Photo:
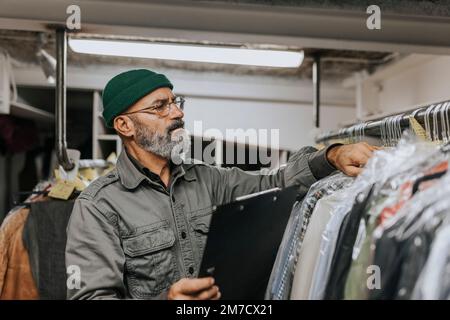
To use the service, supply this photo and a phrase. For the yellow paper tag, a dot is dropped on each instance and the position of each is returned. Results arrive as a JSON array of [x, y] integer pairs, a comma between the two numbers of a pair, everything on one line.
[[79, 184], [319, 146], [57, 175], [62, 190], [417, 128], [88, 173], [112, 158], [107, 170]]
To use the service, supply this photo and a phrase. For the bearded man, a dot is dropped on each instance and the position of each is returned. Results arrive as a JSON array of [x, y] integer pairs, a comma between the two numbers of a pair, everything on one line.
[[139, 232]]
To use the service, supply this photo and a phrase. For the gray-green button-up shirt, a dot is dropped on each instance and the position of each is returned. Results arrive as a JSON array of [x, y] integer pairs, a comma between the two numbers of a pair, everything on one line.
[[132, 238]]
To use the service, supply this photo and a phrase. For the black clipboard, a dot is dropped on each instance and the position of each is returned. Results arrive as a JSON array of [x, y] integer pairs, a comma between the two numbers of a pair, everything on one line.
[[243, 240]]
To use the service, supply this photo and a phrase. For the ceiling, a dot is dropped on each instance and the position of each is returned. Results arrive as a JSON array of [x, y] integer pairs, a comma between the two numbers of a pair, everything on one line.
[[333, 29], [336, 65], [434, 8]]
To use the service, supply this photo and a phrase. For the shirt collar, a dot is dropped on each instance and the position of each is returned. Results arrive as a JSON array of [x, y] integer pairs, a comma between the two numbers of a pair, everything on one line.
[[132, 172]]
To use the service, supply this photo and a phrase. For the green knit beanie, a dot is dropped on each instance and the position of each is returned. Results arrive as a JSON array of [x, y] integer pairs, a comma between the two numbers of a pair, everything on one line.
[[126, 88]]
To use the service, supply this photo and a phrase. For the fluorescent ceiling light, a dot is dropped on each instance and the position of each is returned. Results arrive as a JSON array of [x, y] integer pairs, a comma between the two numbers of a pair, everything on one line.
[[251, 57]]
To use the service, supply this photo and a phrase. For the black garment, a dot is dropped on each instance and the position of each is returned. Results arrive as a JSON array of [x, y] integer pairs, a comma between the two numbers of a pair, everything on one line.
[[342, 257], [402, 259], [44, 237], [423, 179], [416, 250]]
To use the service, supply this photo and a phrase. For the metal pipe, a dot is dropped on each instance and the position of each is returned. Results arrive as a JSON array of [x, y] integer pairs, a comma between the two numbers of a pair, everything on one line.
[[383, 60], [316, 83], [60, 103]]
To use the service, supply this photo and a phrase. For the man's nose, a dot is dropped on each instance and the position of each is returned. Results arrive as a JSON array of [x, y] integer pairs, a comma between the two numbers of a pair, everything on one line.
[[176, 112]]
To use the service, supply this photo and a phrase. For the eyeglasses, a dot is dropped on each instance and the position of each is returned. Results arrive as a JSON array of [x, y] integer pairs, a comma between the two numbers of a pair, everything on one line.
[[162, 108]]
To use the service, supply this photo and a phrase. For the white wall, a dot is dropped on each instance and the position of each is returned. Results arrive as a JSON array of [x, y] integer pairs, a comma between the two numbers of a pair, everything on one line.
[[294, 121], [421, 84], [414, 81], [230, 101]]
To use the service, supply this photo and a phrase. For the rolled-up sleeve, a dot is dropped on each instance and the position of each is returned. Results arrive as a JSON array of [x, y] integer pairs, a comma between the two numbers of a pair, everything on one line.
[[93, 248], [319, 164], [302, 169]]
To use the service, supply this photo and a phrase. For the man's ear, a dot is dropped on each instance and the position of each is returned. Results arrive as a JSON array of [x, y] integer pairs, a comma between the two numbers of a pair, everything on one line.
[[124, 126]]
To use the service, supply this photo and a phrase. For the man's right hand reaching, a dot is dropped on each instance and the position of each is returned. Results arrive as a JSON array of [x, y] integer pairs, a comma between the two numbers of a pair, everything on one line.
[[194, 289]]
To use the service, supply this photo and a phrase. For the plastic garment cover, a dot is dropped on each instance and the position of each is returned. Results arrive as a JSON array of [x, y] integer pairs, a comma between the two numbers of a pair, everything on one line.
[[384, 165], [310, 248], [387, 205], [401, 245], [416, 246], [280, 282], [434, 280], [280, 265], [413, 209], [342, 257], [327, 246]]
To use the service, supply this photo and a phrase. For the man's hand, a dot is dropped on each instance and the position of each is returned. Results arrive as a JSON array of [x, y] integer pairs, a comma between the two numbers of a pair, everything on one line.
[[351, 158], [194, 289]]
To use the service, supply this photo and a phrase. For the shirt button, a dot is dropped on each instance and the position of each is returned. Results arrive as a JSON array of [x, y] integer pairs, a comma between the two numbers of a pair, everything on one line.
[[402, 292], [191, 270], [183, 235], [417, 241]]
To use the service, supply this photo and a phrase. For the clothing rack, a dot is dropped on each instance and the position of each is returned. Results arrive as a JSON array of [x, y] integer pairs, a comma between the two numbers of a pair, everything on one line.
[[432, 117]]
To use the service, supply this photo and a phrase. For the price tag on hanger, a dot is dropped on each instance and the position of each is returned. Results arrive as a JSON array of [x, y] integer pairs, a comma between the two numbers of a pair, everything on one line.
[[112, 158], [319, 146], [89, 173], [80, 184], [107, 170], [417, 128], [62, 190]]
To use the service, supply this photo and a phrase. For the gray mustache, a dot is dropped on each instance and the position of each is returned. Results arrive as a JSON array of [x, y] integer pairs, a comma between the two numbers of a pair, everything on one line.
[[175, 125]]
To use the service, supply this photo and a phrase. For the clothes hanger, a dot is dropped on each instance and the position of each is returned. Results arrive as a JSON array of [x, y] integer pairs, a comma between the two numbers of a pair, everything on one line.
[[443, 123], [427, 121], [445, 128], [383, 133], [436, 112]]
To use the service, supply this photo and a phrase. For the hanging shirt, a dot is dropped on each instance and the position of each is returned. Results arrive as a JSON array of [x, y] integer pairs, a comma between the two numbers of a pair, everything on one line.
[[280, 285], [434, 280], [311, 246], [45, 237], [344, 247], [16, 278]]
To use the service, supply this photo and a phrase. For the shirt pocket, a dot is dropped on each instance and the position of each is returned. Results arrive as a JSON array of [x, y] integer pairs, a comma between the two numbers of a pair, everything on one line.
[[150, 262], [200, 221]]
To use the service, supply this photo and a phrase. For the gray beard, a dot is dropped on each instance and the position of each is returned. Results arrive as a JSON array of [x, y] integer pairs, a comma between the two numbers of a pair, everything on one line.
[[169, 146]]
